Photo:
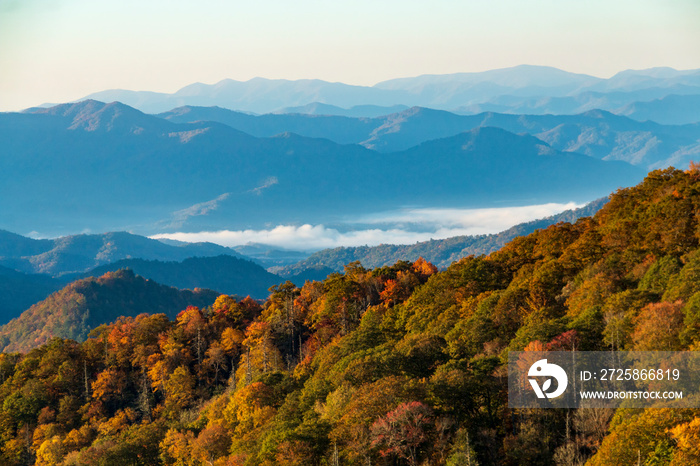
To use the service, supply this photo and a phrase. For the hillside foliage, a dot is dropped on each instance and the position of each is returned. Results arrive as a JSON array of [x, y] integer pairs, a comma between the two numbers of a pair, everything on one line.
[[400, 364]]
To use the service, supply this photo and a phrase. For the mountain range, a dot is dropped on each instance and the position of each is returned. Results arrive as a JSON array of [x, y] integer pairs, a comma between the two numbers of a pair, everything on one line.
[[596, 133], [76, 254], [110, 167], [671, 110], [520, 89]]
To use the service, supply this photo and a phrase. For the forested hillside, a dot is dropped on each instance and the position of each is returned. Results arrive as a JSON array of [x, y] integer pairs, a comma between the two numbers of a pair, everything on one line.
[[395, 365]]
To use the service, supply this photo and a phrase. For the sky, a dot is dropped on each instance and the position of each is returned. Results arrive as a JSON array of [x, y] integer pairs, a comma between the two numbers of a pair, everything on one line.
[[61, 50]]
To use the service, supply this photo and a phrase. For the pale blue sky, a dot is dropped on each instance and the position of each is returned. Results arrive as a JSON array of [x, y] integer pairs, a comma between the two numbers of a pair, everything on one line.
[[61, 50]]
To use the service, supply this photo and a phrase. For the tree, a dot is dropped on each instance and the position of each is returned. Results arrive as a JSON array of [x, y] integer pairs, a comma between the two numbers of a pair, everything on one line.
[[424, 269], [658, 326], [687, 437], [403, 431], [179, 389]]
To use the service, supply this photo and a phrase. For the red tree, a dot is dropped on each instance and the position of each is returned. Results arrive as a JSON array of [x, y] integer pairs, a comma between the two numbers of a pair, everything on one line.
[[402, 431]]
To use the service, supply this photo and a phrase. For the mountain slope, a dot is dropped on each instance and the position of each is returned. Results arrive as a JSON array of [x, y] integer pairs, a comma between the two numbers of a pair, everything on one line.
[[517, 80], [83, 305], [14, 245], [493, 162], [596, 133], [269, 256]]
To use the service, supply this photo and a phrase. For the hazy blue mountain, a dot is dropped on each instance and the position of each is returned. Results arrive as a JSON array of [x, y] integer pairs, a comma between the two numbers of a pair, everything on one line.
[[572, 104], [595, 133], [108, 167], [614, 102], [440, 252], [146, 101], [490, 162], [661, 77], [540, 89], [524, 80], [79, 253], [340, 129], [356, 111], [18, 291], [182, 265], [670, 110], [14, 245], [257, 95], [225, 274]]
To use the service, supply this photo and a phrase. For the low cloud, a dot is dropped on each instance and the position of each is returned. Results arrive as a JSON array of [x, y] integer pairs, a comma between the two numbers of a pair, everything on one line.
[[400, 227], [476, 221]]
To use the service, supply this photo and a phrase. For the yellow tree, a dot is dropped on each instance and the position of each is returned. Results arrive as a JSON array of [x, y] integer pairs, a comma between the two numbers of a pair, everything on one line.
[[687, 437], [179, 390], [658, 326]]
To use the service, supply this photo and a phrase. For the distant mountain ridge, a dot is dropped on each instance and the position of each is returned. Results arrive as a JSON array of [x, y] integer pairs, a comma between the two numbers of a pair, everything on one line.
[[207, 176], [596, 133], [508, 90], [670, 110], [356, 111], [80, 253]]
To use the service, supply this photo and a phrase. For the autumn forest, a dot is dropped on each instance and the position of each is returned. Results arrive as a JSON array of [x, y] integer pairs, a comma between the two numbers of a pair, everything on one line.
[[401, 364]]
